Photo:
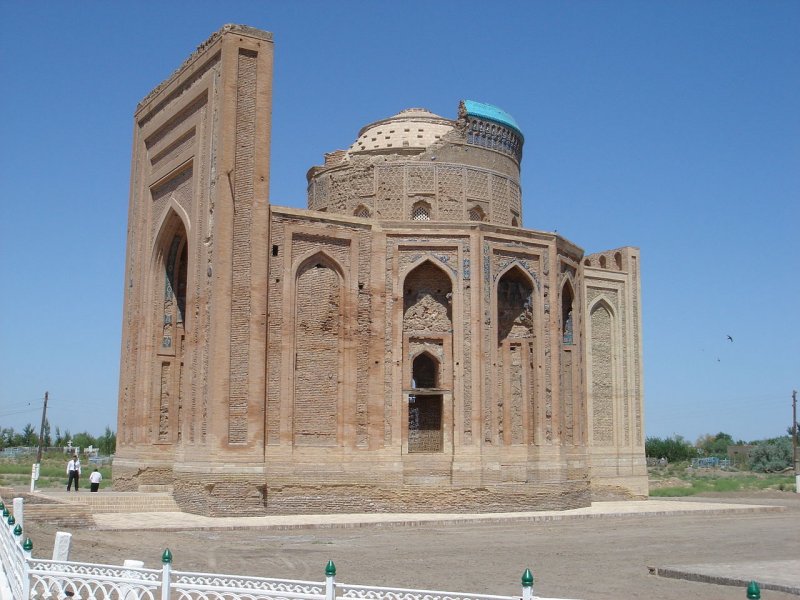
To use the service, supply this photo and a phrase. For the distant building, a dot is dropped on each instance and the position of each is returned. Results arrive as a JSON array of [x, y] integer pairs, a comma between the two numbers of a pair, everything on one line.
[[404, 344]]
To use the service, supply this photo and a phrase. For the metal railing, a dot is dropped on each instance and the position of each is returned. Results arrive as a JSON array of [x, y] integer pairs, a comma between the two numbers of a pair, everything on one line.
[[39, 579]]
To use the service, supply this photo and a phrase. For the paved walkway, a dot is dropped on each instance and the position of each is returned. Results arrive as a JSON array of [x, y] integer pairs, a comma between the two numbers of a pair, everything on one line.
[[178, 521], [778, 575]]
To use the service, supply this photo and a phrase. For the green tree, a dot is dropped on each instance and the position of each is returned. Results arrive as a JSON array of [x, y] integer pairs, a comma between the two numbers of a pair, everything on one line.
[[715, 445], [107, 443], [674, 449], [29, 437], [772, 455], [84, 439]]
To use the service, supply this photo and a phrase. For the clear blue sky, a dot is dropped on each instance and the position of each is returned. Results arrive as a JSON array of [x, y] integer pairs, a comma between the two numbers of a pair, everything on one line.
[[672, 126]]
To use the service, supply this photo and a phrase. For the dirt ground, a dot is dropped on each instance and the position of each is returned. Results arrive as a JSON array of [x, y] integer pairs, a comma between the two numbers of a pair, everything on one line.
[[592, 559]]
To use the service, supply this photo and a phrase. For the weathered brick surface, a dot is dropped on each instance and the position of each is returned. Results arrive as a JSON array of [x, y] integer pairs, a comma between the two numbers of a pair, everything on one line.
[[220, 495], [348, 499]]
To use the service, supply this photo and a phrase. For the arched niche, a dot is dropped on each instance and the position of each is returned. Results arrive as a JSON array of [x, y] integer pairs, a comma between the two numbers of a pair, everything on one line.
[[514, 305], [318, 331], [567, 313], [170, 275], [427, 295]]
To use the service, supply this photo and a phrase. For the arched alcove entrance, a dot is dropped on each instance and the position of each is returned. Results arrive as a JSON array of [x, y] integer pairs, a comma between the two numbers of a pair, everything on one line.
[[170, 287], [427, 337], [515, 358]]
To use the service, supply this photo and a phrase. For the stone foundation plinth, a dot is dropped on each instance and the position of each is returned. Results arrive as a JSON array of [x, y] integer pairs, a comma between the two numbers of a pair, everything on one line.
[[426, 499]]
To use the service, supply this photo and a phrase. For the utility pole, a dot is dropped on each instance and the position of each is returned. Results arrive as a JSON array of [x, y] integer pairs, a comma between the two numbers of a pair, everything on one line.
[[794, 443], [35, 469]]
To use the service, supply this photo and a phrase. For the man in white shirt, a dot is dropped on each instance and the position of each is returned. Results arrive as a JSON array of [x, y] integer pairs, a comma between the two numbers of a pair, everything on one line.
[[94, 480], [73, 472]]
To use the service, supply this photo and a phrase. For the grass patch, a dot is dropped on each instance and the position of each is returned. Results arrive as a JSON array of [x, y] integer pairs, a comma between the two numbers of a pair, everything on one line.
[[673, 492], [52, 471], [698, 482]]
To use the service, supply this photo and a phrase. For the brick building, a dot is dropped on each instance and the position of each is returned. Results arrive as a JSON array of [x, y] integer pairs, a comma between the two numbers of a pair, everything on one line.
[[404, 344]]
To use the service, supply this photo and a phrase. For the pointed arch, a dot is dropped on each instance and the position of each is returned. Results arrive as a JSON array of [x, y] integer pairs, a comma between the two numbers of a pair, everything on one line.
[[435, 261], [602, 347], [603, 300], [567, 311], [427, 297], [514, 293], [319, 284], [319, 258], [166, 220], [169, 268], [514, 355]]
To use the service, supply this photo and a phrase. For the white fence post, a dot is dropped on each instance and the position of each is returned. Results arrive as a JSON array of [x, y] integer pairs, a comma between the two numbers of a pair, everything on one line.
[[330, 581], [129, 593], [166, 569], [61, 546], [527, 585], [27, 548], [19, 511], [34, 476]]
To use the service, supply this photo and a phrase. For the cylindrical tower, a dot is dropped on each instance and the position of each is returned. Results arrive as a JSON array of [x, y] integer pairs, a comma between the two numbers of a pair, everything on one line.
[[418, 166]]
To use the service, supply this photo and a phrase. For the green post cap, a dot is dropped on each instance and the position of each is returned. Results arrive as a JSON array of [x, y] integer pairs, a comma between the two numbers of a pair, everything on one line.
[[5, 512], [330, 569], [753, 591], [11, 520], [166, 558], [18, 530], [527, 578], [27, 545], [2, 505]]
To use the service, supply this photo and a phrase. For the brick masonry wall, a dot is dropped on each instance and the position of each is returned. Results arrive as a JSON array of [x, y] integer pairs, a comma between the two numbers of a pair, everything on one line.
[[242, 220], [317, 356], [602, 375], [393, 184], [410, 498], [219, 495]]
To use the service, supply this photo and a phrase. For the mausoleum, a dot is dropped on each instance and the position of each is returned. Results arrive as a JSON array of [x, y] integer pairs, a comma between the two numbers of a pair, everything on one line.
[[403, 344]]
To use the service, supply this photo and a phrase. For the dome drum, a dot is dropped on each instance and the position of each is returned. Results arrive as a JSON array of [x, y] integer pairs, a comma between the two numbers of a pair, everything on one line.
[[459, 165]]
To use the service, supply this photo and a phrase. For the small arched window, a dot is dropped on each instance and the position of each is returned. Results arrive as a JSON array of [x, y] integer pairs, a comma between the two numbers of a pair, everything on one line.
[[514, 222], [421, 212], [425, 371], [566, 315], [362, 212], [476, 214]]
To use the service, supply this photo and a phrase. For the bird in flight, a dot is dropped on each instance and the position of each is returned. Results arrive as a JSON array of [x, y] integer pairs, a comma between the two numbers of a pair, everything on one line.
[[730, 338]]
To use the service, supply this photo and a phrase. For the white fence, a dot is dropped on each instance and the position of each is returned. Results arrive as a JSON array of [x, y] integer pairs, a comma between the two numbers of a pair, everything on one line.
[[37, 579]]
